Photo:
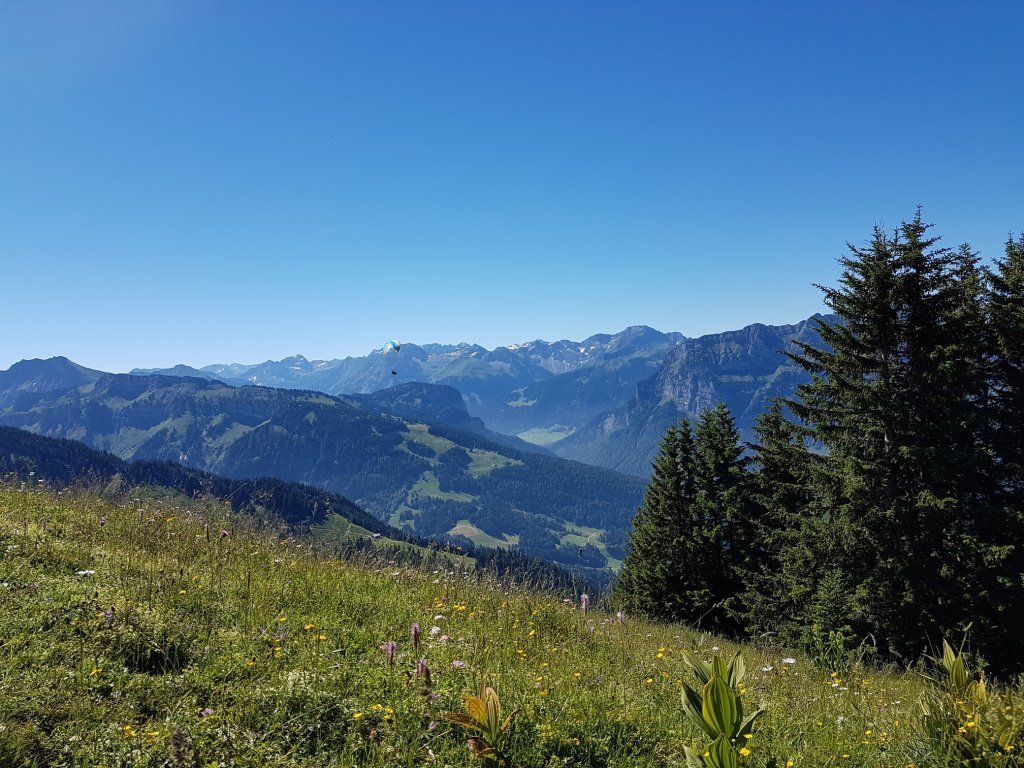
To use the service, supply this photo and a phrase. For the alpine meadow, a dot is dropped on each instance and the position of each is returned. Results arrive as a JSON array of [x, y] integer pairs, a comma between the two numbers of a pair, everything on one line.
[[546, 384]]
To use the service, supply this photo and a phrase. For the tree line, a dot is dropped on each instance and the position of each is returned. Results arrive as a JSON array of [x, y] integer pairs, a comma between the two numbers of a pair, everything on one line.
[[882, 502]]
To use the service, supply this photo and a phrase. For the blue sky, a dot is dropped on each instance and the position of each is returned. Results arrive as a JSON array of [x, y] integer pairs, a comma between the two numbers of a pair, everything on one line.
[[200, 182]]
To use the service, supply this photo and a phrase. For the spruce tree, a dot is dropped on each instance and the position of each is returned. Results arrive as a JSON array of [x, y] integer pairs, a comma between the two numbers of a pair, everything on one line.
[[720, 539], [649, 582], [692, 532], [1006, 300], [776, 575], [897, 400]]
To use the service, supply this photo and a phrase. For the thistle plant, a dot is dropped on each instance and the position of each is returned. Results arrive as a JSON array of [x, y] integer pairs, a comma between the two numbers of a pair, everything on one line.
[[483, 718], [718, 710], [965, 721]]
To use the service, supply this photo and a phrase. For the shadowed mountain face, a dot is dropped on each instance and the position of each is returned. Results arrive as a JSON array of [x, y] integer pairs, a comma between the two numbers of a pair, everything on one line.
[[745, 369], [440, 475]]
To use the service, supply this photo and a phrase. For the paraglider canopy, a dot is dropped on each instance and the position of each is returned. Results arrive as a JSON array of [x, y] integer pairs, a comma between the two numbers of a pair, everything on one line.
[[394, 345]]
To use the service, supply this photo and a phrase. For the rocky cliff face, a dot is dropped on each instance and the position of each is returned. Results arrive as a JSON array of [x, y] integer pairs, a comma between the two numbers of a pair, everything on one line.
[[745, 369]]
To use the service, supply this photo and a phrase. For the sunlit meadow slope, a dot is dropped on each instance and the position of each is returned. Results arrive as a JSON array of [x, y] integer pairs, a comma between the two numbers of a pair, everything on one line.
[[133, 633]]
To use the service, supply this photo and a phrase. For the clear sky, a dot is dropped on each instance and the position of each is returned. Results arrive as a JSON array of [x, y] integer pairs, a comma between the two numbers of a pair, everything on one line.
[[200, 181]]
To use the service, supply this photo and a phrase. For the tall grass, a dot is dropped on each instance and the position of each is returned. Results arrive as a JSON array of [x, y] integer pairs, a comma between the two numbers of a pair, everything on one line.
[[146, 633]]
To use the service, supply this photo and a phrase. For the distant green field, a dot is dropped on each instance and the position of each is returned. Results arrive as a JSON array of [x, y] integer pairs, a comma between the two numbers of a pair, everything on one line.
[[477, 536], [338, 528], [546, 435], [522, 402], [427, 487], [579, 536], [485, 462]]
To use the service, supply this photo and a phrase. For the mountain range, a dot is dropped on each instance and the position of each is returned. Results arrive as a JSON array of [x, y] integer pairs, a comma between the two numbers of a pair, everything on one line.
[[606, 400]]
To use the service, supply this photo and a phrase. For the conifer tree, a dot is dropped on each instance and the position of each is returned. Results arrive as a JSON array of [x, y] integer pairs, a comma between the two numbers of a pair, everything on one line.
[[897, 399], [776, 576], [720, 537], [1006, 299], [650, 582], [692, 532]]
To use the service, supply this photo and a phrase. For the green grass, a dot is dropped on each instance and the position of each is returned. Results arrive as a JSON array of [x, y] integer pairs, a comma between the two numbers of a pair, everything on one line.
[[134, 631]]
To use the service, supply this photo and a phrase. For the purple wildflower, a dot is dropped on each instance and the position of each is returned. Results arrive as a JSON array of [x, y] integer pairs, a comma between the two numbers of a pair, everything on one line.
[[224, 533], [458, 664], [435, 631], [206, 712], [424, 671], [415, 635], [389, 648], [585, 602]]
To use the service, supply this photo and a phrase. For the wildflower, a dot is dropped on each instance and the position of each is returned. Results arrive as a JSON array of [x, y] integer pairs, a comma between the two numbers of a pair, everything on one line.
[[309, 627], [206, 712], [443, 639], [103, 521], [649, 680], [744, 751], [415, 635], [84, 573], [320, 637], [458, 664], [435, 631], [356, 715], [789, 660], [389, 649], [128, 731], [620, 617], [224, 533], [422, 670], [585, 602]]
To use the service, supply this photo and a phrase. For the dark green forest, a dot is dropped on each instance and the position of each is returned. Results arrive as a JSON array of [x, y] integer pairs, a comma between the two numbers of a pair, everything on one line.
[[882, 505]]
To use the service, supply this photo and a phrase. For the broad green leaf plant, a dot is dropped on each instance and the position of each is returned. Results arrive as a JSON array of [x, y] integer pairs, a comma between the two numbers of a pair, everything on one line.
[[718, 710], [483, 718]]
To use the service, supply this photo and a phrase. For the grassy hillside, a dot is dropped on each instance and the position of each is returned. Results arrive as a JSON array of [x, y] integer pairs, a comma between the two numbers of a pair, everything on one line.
[[135, 633]]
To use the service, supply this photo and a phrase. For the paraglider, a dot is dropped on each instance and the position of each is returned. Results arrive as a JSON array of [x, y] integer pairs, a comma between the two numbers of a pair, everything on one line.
[[392, 347]]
